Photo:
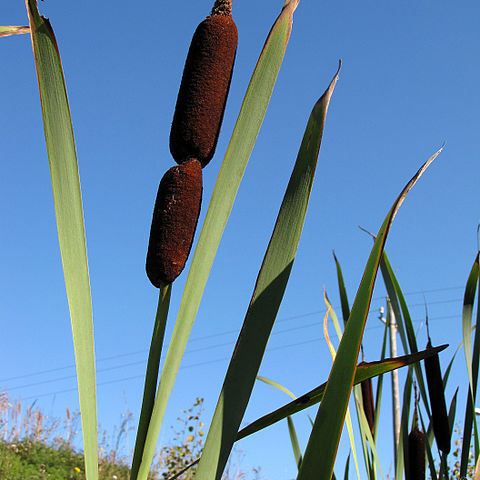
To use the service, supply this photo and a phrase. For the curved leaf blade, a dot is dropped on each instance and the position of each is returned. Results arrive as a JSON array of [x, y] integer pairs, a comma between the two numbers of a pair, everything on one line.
[[332, 410], [266, 299], [67, 198], [471, 361], [363, 372]]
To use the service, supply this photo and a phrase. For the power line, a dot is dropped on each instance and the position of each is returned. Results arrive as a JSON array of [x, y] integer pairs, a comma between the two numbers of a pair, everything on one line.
[[193, 365], [189, 352], [229, 332], [206, 337]]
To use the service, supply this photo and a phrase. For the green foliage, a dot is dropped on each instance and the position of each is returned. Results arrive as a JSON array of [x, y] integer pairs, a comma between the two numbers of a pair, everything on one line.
[[37, 461], [34, 446], [187, 443]]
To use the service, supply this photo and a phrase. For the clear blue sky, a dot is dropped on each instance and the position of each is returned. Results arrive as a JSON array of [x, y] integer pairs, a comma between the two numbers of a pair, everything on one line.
[[409, 82]]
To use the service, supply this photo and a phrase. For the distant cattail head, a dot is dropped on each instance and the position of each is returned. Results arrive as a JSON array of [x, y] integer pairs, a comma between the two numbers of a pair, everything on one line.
[[204, 88], [441, 428], [175, 217], [416, 455], [368, 403]]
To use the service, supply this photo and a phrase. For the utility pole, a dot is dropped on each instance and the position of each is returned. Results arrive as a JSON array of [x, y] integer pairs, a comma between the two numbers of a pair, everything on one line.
[[392, 329]]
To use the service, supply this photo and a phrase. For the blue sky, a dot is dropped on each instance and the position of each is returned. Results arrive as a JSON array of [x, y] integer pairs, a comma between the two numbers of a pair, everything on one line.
[[409, 82]]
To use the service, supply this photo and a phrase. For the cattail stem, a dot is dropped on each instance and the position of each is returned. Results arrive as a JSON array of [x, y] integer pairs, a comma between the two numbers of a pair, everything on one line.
[[222, 7], [151, 377]]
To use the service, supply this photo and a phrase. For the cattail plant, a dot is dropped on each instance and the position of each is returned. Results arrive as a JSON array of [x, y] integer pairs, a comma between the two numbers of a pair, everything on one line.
[[175, 217], [204, 88], [193, 138]]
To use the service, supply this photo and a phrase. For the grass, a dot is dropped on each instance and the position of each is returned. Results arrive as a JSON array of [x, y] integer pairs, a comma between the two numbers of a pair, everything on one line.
[[34, 446], [35, 460]]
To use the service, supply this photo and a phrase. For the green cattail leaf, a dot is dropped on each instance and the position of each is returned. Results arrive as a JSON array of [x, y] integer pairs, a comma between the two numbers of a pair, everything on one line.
[[351, 437], [277, 386], [471, 360], [67, 197], [236, 158], [342, 291], [266, 299], [333, 316], [452, 411], [364, 371], [7, 30], [467, 314], [451, 420], [402, 451], [291, 428], [378, 394], [332, 410], [404, 322], [294, 440]]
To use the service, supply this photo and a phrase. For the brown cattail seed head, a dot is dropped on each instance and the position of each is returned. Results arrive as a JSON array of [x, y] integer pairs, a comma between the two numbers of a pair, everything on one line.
[[204, 88], [368, 406], [175, 217], [441, 428], [416, 455]]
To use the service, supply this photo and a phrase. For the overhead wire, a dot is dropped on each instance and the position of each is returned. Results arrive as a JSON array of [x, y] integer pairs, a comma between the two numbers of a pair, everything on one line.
[[228, 332], [192, 365]]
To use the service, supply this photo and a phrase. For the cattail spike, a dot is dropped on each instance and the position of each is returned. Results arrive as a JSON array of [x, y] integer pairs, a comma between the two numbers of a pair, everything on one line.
[[368, 404], [367, 395], [204, 88], [222, 7], [416, 455], [175, 218]]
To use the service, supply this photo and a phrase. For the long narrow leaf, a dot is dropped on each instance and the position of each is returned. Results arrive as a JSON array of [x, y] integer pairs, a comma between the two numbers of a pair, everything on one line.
[[378, 394], [331, 413], [266, 299], [404, 322], [472, 361], [364, 371], [239, 149], [297, 452], [348, 421], [272, 383], [402, 451], [467, 314], [342, 291], [69, 213]]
